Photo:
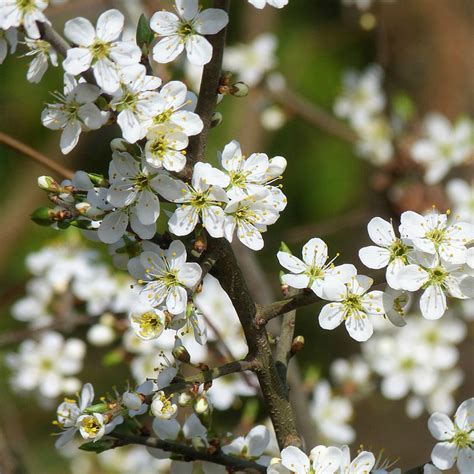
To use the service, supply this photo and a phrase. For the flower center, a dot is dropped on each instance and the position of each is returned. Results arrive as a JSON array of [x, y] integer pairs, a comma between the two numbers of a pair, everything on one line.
[[437, 275], [128, 101], [407, 364], [437, 236], [25, 5], [170, 278], [399, 303], [141, 181], [461, 439], [91, 425], [99, 50], [149, 323], [352, 304], [159, 146], [238, 178], [398, 250], [163, 117], [186, 29], [199, 200]]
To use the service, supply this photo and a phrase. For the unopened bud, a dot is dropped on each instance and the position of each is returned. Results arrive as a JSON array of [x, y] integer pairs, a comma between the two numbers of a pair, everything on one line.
[[185, 399], [297, 344], [97, 179], [132, 400], [200, 244], [47, 184], [201, 406], [82, 207], [216, 119], [199, 443], [180, 353], [42, 216], [239, 89]]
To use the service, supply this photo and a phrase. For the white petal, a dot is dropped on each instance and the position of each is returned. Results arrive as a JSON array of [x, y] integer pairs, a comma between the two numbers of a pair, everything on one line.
[[167, 49], [290, 262], [465, 461], [110, 25], [296, 281], [315, 252], [131, 128], [433, 302], [199, 50], [374, 257], [184, 220], [444, 455], [70, 136], [77, 60], [464, 416], [79, 31], [106, 75], [113, 227], [176, 300], [190, 274], [440, 426], [331, 316], [125, 53], [211, 21], [381, 232], [411, 277], [359, 326], [295, 460]]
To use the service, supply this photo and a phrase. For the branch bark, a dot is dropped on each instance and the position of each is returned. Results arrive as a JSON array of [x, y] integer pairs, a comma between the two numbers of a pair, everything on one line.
[[189, 453], [35, 155]]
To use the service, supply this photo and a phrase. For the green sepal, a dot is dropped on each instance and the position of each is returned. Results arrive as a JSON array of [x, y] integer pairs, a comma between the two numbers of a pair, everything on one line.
[[97, 408], [98, 446], [285, 248], [144, 33], [41, 216]]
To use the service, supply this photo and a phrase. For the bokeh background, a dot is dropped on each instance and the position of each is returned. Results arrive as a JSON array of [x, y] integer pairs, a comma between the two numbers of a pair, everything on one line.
[[425, 47]]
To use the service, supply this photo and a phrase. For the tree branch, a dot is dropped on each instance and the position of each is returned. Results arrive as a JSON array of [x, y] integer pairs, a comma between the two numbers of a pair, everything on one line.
[[312, 114], [207, 98], [26, 150], [274, 391], [207, 376], [268, 312], [189, 453]]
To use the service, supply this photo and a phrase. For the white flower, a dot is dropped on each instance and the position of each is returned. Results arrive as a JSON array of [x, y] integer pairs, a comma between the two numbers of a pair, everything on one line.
[[456, 440], [186, 30], [75, 112], [249, 215], [322, 460], [315, 271], [273, 3], [174, 111], [166, 276], [100, 48], [432, 234], [8, 39], [437, 279], [134, 400], [26, 13], [443, 146], [163, 407], [396, 304], [131, 183], [362, 96], [461, 195], [363, 463], [148, 324], [42, 53], [354, 307], [226, 390], [375, 140], [390, 252], [165, 149], [251, 446], [251, 61], [202, 200], [47, 365], [137, 102], [353, 376], [170, 429], [273, 118], [331, 415], [69, 411]]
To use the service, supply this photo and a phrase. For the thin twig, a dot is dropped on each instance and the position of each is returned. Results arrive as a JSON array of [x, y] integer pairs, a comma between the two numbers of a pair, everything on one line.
[[26, 150], [312, 114], [189, 453]]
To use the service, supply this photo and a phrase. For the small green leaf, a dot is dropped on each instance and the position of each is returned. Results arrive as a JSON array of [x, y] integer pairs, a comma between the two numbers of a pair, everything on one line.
[[97, 408], [113, 358], [285, 248], [144, 34], [98, 447], [41, 216]]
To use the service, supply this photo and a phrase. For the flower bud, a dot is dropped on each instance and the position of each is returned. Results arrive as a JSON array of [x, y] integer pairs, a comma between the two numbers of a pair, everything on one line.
[[297, 344], [239, 89], [47, 183], [42, 216], [185, 399], [100, 335], [181, 353], [82, 207], [201, 406], [132, 400], [216, 119]]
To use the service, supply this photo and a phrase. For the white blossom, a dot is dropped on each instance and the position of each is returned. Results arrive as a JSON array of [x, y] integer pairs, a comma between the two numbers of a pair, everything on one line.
[[354, 306], [461, 195], [314, 271], [251, 446], [251, 61], [100, 49], [43, 54], [8, 40], [14, 13], [362, 463], [273, 3], [75, 112], [456, 440], [166, 276], [185, 30], [443, 146]]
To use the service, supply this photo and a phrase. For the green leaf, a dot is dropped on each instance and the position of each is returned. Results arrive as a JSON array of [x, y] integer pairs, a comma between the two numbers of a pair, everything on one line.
[[144, 34], [98, 447], [113, 358], [403, 106], [41, 216]]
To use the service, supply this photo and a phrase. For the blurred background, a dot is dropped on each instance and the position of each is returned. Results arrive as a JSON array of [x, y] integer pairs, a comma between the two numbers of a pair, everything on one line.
[[425, 48]]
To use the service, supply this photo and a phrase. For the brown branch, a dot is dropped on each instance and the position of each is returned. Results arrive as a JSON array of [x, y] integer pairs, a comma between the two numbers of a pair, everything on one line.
[[207, 98], [270, 311], [189, 453], [274, 391], [283, 350], [26, 150], [207, 376], [312, 114]]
